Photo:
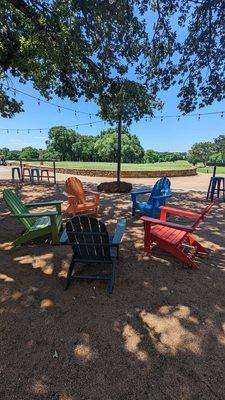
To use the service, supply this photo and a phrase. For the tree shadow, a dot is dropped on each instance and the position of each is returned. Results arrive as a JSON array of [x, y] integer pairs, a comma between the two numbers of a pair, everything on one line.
[[161, 335]]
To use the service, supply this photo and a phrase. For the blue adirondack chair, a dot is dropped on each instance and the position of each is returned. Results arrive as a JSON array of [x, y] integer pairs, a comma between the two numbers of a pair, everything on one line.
[[158, 195]]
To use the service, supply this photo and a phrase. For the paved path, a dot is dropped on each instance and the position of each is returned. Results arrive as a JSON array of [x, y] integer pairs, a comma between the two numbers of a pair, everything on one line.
[[198, 182]]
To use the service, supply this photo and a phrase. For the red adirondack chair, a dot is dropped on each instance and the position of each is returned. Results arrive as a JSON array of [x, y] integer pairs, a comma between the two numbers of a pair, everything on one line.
[[174, 238]]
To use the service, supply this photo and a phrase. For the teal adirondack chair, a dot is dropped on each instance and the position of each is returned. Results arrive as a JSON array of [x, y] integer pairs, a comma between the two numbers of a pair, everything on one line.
[[37, 224]]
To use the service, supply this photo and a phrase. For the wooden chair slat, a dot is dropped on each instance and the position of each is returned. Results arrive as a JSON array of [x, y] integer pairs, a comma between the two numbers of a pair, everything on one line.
[[90, 241], [35, 227]]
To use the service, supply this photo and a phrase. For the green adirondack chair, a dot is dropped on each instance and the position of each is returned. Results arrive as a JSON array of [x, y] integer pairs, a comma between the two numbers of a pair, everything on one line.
[[37, 224]]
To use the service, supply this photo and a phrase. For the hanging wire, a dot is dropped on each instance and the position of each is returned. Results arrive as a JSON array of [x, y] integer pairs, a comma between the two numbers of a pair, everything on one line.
[[17, 130], [14, 90]]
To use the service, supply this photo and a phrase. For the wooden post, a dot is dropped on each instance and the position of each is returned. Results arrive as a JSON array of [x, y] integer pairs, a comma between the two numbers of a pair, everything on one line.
[[40, 151], [119, 150], [21, 169], [54, 172]]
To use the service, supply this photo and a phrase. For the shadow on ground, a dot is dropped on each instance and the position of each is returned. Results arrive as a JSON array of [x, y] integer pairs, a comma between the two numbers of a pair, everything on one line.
[[161, 335]]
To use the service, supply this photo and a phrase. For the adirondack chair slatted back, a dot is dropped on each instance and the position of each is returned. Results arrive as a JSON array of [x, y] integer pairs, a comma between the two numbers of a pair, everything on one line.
[[17, 207], [89, 238], [203, 215], [74, 187], [161, 187]]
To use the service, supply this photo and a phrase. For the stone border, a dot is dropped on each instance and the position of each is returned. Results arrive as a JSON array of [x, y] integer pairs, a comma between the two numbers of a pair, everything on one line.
[[128, 174], [124, 174]]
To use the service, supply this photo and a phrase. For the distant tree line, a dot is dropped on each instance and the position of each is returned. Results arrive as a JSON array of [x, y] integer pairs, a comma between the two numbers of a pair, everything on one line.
[[68, 145]]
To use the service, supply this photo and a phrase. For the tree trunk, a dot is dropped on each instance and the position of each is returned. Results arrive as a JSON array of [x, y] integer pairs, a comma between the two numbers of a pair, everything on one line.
[[119, 150]]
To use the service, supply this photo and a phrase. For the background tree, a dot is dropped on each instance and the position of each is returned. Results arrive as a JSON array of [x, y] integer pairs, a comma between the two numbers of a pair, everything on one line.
[[61, 141], [84, 148], [29, 153], [200, 152], [14, 155], [104, 42], [106, 146], [101, 40], [151, 156], [220, 146]]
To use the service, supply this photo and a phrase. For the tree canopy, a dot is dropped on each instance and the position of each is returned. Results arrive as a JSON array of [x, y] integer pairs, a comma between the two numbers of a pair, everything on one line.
[[105, 43], [68, 145], [201, 152]]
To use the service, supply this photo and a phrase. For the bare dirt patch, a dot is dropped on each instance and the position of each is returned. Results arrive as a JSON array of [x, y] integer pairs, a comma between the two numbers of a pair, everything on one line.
[[160, 335]]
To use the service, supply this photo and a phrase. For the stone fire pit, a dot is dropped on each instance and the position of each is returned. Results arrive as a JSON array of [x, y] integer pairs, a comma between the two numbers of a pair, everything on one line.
[[113, 187]]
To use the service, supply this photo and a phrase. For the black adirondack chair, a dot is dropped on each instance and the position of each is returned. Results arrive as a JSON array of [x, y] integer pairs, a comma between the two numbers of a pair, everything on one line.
[[91, 243]]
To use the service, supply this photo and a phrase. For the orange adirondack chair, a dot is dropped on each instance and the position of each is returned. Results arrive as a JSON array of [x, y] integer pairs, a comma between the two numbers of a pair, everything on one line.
[[174, 238], [80, 201]]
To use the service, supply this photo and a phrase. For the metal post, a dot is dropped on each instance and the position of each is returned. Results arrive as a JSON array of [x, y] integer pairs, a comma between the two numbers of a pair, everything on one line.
[[119, 150]]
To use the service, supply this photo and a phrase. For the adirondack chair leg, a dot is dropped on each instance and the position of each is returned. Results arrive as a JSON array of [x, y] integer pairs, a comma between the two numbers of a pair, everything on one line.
[[69, 274], [133, 211], [117, 253], [147, 238], [54, 230], [193, 242], [112, 281], [27, 236], [59, 208]]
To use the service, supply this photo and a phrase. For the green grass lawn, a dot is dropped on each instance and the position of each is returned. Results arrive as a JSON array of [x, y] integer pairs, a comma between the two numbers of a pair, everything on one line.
[[209, 170], [182, 164], [125, 167]]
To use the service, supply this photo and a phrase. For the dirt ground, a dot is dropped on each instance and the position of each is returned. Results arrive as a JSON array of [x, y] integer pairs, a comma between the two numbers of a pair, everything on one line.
[[159, 336]]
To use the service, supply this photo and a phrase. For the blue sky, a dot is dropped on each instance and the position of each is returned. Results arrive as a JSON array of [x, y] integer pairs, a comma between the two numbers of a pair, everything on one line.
[[169, 135]]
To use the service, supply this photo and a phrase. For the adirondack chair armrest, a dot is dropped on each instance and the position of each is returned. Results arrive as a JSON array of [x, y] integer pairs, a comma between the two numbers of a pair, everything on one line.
[[44, 203], [164, 196], [178, 211], [35, 215], [135, 194], [119, 231], [93, 195], [154, 221], [89, 193], [71, 198]]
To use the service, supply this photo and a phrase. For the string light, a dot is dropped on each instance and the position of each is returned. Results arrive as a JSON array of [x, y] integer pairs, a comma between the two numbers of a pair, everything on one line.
[[15, 91], [221, 113], [60, 107]]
